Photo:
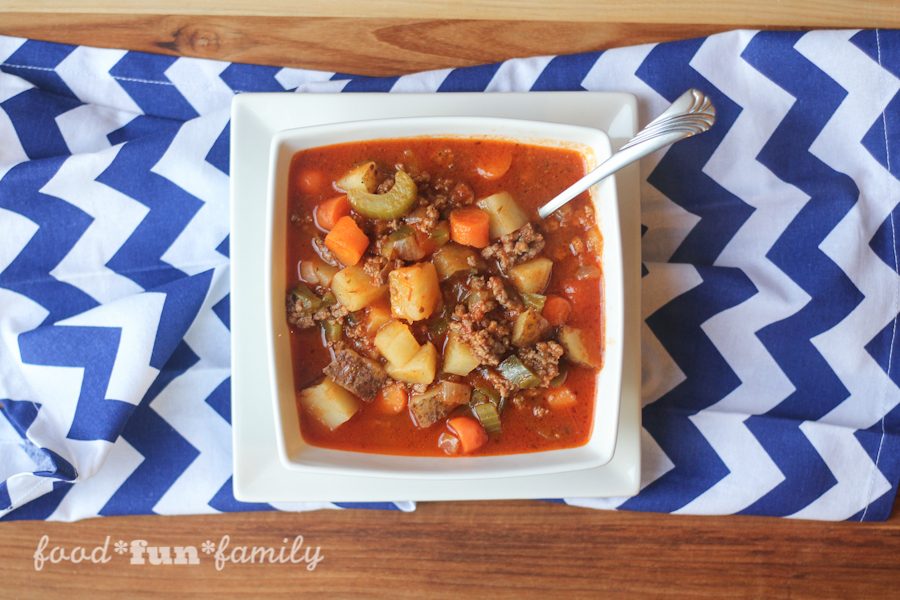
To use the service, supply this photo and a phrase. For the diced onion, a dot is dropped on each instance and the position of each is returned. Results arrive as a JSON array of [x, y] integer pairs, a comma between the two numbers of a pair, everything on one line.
[[316, 272], [449, 443], [587, 272]]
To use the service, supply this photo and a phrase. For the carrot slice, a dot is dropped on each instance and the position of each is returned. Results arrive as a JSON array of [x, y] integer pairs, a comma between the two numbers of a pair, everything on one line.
[[470, 226], [328, 212], [495, 165], [391, 400], [347, 241], [471, 434], [311, 181], [557, 310]]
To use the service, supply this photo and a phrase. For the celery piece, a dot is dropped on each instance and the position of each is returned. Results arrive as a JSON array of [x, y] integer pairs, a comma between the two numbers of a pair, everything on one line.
[[534, 301], [515, 371], [391, 205], [333, 330], [440, 235], [306, 297], [488, 416]]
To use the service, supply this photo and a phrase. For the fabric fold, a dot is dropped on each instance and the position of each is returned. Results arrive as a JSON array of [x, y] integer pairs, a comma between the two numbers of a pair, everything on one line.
[[771, 287]]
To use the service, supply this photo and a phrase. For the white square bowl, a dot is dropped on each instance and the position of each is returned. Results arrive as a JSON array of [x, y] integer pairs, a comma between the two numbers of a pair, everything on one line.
[[294, 452]]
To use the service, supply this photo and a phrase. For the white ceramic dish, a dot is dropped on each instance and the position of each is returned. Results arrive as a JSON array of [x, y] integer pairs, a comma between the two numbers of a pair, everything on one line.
[[295, 452], [259, 473]]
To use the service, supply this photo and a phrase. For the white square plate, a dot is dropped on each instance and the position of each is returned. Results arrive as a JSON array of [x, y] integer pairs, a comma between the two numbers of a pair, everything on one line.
[[259, 473]]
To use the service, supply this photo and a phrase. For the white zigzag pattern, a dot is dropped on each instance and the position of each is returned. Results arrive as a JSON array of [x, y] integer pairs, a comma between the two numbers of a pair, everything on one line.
[[752, 473], [131, 374], [668, 224], [57, 388], [198, 81], [323, 87], [8, 47], [18, 455], [855, 487], [194, 251], [291, 79], [428, 81], [11, 150], [108, 107], [115, 217], [18, 313], [879, 191], [24, 488], [196, 420], [518, 74], [86, 127], [184, 164], [615, 71], [86, 72], [12, 85], [89, 497]]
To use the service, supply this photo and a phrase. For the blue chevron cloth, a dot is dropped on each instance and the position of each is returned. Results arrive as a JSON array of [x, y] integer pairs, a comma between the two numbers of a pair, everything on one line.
[[771, 287]]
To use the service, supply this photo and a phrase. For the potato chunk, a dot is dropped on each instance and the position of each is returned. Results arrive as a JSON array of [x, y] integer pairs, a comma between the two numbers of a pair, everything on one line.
[[420, 369], [360, 177], [415, 291], [532, 277], [459, 358], [453, 258], [529, 328], [396, 343], [576, 348], [377, 315], [354, 289], [505, 214], [329, 403]]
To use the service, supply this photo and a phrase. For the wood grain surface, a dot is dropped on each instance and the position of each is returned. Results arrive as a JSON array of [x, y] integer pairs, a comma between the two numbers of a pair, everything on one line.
[[484, 549], [363, 46], [495, 549], [819, 13]]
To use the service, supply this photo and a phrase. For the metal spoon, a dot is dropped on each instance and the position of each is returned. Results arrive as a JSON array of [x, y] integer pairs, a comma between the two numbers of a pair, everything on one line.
[[690, 114]]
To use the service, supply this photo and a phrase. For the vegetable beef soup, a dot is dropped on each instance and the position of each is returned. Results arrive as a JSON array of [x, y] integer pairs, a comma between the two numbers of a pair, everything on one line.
[[431, 312]]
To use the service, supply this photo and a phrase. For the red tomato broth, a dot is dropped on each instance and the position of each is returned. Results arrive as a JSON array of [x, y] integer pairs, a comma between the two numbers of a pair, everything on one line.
[[536, 174]]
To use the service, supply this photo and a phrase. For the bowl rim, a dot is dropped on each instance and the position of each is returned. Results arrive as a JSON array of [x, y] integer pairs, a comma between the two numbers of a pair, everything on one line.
[[384, 465]]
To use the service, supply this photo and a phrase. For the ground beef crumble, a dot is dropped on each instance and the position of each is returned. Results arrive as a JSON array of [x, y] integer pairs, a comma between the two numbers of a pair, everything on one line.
[[302, 318], [297, 315], [462, 194], [334, 312], [513, 248], [513, 304], [424, 219], [324, 253], [378, 267], [385, 186], [357, 335], [488, 334], [539, 411], [543, 360], [499, 383], [488, 338]]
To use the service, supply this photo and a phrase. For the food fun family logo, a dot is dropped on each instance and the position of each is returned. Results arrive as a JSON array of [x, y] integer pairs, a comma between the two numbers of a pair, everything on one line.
[[140, 552]]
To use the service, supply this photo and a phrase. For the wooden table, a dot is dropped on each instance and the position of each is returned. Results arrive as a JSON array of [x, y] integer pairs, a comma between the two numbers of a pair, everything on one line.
[[498, 549]]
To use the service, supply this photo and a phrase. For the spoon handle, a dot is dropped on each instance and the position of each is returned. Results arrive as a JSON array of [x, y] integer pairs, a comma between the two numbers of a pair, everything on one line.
[[690, 114]]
